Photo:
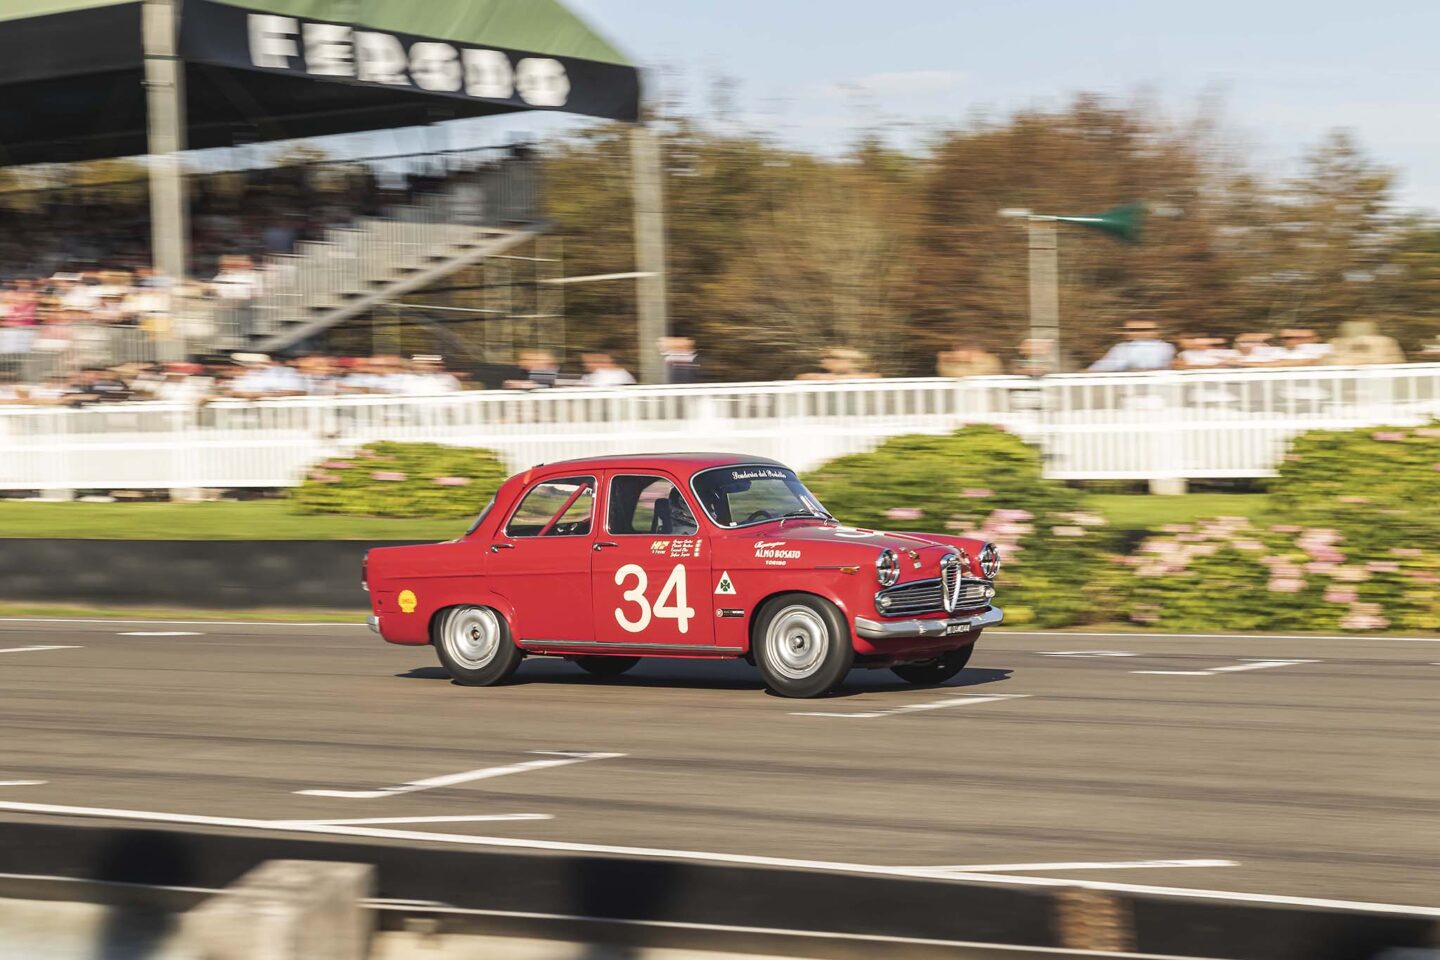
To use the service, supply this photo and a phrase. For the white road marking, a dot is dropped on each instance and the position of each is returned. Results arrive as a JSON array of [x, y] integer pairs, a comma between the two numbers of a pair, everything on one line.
[[160, 633], [913, 707], [381, 821], [188, 623], [149, 816], [1080, 865], [1251, 664], [561, 759], [1072, 634], [22, 783], [962, 947], [1086, 654], [37, 649], [1075, 635]]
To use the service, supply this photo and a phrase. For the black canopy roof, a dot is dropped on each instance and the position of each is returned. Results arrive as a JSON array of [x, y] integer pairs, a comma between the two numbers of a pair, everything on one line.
[[72, 71]]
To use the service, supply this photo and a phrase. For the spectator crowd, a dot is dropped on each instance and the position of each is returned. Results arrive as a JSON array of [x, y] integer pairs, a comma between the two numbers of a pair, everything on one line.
[[257, 376]]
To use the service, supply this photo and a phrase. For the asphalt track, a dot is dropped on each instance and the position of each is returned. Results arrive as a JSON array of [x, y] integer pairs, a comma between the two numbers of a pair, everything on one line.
[[1281, 767]]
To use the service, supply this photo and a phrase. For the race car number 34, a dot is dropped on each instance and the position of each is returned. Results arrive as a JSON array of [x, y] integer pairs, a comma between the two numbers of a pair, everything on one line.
[[669, 605]]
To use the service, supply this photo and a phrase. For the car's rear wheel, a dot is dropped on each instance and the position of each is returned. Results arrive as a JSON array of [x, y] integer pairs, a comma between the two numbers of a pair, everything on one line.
[[801, 645], [930, 673], [606, 666], [475, 647]]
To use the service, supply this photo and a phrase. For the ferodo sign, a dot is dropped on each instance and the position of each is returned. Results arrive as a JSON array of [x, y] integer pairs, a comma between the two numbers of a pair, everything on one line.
[[339, 50], [232, 36]]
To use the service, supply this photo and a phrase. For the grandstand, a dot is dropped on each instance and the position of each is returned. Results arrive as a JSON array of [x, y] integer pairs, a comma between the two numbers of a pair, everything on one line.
[[263, 259]]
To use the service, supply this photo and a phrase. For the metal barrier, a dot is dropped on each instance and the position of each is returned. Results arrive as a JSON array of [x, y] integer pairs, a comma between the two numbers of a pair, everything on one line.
[[1158, 426]]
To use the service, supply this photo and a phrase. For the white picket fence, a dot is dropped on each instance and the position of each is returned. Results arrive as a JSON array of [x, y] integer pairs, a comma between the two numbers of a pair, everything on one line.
[[1156, 426]]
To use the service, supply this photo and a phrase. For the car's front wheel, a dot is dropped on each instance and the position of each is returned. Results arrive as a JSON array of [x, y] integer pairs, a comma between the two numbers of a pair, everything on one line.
[[801, 645], [606, 666], [931, 673], [474, 646]]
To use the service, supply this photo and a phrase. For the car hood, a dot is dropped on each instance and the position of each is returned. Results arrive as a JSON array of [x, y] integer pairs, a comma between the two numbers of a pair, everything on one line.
[[814, 540]]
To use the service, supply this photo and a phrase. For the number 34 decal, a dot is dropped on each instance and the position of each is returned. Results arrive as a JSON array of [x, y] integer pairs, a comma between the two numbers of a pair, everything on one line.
[[670, 605]]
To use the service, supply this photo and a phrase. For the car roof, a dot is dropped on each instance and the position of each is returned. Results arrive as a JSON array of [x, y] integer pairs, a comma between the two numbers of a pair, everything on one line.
[[684, 462]]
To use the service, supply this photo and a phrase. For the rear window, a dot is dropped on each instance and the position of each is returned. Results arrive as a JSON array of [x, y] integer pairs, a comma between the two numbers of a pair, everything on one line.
[[555, 508]]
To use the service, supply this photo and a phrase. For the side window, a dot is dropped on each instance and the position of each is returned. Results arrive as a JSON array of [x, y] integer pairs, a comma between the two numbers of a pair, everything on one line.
[[649, 505], [555, 508]]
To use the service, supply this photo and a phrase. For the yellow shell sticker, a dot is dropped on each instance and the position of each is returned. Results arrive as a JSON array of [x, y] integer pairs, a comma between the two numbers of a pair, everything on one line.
[[407, 601]]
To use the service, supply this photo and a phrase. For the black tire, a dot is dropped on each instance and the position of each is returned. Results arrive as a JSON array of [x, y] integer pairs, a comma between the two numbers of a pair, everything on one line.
[[801, 645], [932, 673], [605, 666], [475, 647]]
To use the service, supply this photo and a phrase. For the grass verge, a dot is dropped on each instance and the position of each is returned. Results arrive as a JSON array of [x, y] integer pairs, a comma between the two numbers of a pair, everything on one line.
[[225, 520], [276, 520]]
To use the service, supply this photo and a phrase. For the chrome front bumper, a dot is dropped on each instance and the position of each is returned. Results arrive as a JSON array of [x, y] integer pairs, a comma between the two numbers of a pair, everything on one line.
[[373, 622], [950, 627]]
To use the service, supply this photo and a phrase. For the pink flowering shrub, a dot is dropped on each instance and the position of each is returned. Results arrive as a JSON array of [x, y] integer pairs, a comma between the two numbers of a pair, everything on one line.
[[983, 482], [1208, 575], [417, 480]]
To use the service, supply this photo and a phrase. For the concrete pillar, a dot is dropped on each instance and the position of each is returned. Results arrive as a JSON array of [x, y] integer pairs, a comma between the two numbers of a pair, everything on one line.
[[654, 321], [1169, 486], [287, 910], [165, 108]]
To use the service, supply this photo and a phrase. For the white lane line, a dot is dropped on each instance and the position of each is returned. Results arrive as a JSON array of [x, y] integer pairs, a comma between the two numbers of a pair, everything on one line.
[[160, 633], [913, 707], [149, 816], [22, 783], [1087, 654], [1127, 635], [37, 649], [960, 948], [1072, 634], [1250, 664], [560, 759], [1080, 865], [382, 821], [187, 623]]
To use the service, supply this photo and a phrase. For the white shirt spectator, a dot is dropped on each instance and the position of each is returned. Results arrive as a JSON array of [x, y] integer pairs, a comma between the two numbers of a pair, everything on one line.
[[1135, 355], [608, 377], [236, 283], [1309, 353], [1261, 354], [1207, 357]]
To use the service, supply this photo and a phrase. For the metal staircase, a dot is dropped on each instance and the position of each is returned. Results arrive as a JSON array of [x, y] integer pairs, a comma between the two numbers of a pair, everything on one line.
[[478, 214]]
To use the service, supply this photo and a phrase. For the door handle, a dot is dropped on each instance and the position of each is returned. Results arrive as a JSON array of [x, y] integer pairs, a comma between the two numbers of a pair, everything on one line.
[[602, 544], [497, 547]]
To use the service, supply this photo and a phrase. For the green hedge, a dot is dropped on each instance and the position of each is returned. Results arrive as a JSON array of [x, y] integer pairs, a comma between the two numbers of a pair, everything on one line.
[[402, 480], [1357, 545], [1379, 485], [985, 482]]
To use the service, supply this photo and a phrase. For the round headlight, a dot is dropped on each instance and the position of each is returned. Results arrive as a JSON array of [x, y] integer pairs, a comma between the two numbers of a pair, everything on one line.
[[887, 568], [989, 561]]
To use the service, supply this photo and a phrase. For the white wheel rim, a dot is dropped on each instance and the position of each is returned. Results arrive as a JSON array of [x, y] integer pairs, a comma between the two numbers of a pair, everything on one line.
[[472, 636], [796, 643]]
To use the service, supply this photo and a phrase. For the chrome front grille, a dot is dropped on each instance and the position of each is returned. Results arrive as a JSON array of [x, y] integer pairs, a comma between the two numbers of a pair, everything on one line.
[[908, 599], [928, 596], [950, 577]]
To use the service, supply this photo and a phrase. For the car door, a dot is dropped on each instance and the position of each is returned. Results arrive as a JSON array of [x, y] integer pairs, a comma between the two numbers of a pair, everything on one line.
[[651, 569], [541, 559]]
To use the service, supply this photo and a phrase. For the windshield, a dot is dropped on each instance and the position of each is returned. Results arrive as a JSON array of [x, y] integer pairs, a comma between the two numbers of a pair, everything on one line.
[[741, 495]]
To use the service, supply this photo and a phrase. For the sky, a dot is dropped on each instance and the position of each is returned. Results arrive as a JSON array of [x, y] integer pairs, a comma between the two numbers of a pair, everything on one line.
[[1284, 72]]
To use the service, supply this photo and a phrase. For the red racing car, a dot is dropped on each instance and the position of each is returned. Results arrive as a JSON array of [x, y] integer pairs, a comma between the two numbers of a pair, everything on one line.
[[607, 560]]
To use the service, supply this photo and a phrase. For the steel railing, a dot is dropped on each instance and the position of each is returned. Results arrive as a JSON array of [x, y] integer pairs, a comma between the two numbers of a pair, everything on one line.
[[1152, 426]]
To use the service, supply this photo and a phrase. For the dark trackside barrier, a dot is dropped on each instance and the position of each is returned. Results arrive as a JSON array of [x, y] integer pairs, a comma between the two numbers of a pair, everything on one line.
[[216, 574], [567, 890]]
